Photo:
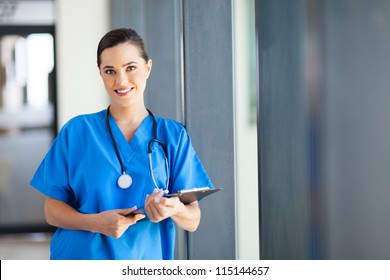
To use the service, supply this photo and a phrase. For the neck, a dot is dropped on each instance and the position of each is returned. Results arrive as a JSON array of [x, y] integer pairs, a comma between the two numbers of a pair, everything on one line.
[[128, 119], [130, 114]]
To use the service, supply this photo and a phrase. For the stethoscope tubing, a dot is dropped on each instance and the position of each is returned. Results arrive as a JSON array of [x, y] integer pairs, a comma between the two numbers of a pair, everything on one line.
[[151, 141], [114, 142]]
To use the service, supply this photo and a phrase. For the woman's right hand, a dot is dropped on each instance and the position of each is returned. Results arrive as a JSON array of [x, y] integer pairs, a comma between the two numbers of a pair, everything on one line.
[[115, 222], [111, 223]]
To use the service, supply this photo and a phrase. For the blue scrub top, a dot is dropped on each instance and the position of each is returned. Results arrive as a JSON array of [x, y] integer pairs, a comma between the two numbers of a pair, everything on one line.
[[81, 169]]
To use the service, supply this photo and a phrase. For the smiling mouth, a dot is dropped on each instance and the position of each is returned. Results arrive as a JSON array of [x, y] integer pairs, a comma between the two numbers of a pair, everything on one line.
[[123, 91]]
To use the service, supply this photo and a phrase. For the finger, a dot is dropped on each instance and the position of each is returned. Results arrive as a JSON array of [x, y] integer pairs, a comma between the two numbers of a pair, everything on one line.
[[154, 212], [139, 217], [158, 192], [150, 211], [153, 197], [158, 196], [127, 211], [168, 201]]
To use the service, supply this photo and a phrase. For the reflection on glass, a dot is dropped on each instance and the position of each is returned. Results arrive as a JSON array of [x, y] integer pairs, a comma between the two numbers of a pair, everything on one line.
[[26, 124], [25, 67], [39, 66]]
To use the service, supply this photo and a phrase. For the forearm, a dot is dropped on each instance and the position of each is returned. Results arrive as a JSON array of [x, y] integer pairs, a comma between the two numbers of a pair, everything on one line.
[[62, 215], [189, 217], [111, 223]]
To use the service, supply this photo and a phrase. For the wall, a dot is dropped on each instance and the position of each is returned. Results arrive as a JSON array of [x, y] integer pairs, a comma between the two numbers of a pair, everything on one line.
[[324, 133], [209, 115], [245, 130], [79, 27], [356, 134], [283, 120]]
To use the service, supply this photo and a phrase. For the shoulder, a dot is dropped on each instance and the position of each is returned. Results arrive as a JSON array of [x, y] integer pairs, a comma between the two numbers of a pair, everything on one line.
[[170, 124], [171, 131], [81, 126], [170, 128], [81, 122]]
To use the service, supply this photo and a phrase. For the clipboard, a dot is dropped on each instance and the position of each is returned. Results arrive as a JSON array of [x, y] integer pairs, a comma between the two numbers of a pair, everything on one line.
[[188, 196], [185, 196]]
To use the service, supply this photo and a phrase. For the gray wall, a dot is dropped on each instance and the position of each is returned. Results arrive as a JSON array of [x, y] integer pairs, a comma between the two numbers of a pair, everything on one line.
[[208, 61], [324, 135], [356, 132], [190, 42], [283, 131]]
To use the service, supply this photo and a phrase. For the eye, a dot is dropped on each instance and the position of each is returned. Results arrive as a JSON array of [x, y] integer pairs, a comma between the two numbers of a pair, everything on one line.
[[131, 68], [109, 71]]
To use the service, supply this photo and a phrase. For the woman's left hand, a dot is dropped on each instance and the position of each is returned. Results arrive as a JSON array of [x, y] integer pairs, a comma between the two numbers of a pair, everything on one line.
[[159, 208]]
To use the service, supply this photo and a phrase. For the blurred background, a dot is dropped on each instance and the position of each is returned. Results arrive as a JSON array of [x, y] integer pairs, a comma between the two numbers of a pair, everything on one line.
[[286, 102]]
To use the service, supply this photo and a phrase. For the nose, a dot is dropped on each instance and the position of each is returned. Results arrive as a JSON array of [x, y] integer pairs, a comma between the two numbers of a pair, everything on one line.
[[122, 79]]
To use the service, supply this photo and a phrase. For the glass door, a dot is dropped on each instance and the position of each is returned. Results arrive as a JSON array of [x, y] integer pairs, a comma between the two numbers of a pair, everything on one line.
[[27, 122]]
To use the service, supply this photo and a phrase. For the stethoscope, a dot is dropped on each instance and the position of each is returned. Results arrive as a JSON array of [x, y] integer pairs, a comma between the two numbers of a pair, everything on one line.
[[124, 180]]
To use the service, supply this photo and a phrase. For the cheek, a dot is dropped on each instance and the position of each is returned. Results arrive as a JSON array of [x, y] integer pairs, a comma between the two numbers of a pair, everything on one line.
[[140, 78], [107, 82]]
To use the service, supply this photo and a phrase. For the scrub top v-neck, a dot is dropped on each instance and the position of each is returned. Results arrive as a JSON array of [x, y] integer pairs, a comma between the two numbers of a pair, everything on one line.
[[128, 148], [81, 169]]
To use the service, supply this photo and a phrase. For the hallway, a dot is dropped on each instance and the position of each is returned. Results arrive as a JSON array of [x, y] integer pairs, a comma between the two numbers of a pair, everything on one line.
[[25, 246]]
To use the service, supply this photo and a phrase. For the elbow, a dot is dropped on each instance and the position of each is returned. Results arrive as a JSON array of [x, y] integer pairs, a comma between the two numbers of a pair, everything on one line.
[[193, 228], [48, 212], [48, 217], [189, 226], [195, 224], [189, 219]]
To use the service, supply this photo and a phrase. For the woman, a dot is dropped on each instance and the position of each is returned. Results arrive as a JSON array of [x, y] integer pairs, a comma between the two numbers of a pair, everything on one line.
[[97, 172]]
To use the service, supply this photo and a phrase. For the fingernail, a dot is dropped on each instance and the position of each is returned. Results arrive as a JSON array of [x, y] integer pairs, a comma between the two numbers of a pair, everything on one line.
[[157, 200]]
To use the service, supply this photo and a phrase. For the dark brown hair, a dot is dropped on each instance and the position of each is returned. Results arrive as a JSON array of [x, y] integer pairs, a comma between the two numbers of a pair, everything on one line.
[[120, 36]]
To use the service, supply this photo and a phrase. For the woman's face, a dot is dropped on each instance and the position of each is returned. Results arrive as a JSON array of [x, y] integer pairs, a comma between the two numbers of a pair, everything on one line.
[[124, 73]]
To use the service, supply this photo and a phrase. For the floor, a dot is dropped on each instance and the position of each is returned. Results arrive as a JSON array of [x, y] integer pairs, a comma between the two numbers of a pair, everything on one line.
[[34, 246]]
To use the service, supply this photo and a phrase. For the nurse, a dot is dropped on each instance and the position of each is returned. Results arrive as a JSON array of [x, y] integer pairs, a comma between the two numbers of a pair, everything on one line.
[[98, 171]]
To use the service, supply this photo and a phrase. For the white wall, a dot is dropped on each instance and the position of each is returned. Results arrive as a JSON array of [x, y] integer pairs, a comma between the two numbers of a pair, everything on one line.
[[246, 132], [79, 26]]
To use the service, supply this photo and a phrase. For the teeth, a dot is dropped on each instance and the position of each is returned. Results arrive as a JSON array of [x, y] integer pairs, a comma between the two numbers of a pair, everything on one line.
[[123, 91]]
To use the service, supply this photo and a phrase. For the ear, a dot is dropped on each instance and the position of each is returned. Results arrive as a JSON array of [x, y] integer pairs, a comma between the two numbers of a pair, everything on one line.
[[148, 67]]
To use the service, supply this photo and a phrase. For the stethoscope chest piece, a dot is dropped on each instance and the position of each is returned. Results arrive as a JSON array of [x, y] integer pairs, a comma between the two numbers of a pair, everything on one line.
[[124, 181]]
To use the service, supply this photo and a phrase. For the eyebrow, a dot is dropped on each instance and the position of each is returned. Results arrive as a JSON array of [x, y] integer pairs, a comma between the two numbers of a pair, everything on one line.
[[124, 65]]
